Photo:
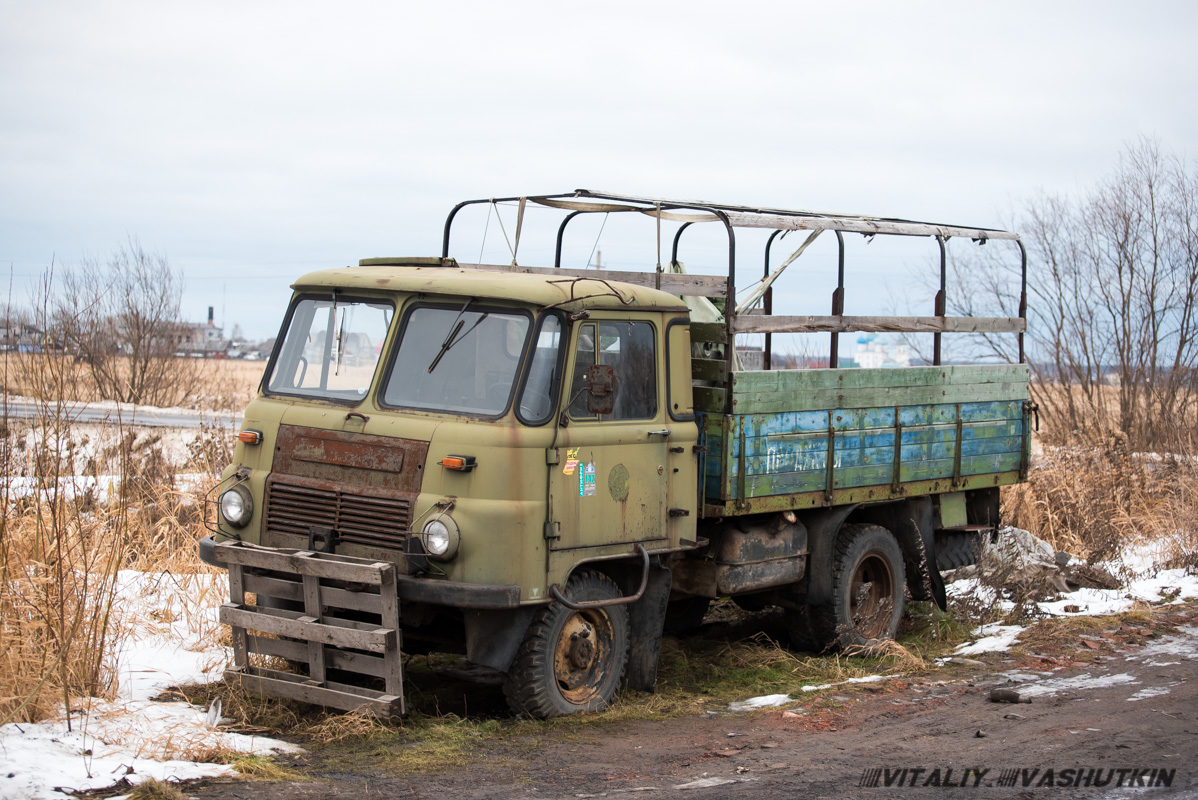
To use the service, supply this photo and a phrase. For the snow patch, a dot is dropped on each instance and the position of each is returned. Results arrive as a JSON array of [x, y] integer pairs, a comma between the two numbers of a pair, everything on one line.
[[1150, 691], [994, 638], [1075, 683], [167, 628], [765, 701], [866, 679]]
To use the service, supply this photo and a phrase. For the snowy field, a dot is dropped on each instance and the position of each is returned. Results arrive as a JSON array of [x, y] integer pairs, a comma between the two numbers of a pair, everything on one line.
[[166, 627]]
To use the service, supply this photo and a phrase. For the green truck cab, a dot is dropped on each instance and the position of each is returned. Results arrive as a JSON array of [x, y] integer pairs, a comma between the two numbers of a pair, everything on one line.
[[543, 468]]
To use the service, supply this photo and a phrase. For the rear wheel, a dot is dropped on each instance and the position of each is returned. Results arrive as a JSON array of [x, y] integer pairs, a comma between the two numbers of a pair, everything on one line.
[[957, 549], [571, 661], [867, 590]]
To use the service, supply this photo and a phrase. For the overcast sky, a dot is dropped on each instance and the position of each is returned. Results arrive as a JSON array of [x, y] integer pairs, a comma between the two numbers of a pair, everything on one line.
[[253, 141]]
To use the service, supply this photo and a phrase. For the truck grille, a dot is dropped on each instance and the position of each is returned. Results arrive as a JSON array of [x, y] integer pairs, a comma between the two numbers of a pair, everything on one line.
[[293, 508]]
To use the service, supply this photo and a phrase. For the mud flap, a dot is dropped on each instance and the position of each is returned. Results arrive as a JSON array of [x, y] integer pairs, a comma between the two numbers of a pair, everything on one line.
[[646, 619], [494, 636], [938, 591], [915, 529]]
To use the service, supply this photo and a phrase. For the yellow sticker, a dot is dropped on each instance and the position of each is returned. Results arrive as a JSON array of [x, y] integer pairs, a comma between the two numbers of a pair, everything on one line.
[[571, 461]]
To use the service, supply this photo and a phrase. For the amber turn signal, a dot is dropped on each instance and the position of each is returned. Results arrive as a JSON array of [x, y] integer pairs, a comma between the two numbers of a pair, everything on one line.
[[459, 463], [250, 437]]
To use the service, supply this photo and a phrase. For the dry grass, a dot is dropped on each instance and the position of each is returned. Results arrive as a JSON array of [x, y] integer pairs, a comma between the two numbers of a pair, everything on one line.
[[1061, 634], [154, 789], [77, 509], [227, 384], [1093, 501], [346, 727]]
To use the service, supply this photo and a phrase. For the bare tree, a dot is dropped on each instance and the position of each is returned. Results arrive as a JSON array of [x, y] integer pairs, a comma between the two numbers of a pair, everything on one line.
[[121, 318], [1113, 299]]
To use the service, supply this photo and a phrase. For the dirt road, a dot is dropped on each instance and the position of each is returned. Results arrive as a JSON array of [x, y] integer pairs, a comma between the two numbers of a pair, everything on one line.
[[1126, 722]]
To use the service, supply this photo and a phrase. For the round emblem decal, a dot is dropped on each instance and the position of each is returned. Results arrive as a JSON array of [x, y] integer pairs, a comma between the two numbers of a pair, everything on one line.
[[617, 483]]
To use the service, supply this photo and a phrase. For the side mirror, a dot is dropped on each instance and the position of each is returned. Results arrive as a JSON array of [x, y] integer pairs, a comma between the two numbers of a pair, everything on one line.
[[601, 389]]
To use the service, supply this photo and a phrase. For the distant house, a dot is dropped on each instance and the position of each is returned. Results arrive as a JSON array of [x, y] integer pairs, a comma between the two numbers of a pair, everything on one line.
[[198, 339], [23, 338]]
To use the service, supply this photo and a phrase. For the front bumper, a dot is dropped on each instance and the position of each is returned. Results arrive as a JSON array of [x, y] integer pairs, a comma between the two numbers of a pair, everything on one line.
[[410, 588]]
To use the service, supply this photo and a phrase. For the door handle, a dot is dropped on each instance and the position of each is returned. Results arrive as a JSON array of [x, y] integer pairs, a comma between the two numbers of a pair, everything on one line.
[[662, 432]]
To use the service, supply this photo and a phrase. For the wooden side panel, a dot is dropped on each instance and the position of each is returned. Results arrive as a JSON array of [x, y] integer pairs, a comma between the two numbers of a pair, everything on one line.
[[778, 391], [709, 398], [868, 441]]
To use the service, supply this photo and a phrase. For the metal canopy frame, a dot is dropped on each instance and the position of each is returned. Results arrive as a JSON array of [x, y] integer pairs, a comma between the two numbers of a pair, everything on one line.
[[780, 221]]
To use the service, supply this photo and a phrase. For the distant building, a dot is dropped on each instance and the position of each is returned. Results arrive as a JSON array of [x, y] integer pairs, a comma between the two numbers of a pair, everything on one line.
[[199, 339], [23, 338], [872, 354]]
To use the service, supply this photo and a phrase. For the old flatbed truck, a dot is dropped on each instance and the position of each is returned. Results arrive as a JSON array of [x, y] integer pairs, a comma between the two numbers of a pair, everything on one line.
[[541, 467]]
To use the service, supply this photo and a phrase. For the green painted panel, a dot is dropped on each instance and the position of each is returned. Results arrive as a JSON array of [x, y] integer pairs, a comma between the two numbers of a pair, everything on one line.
[[709, 399], [786, 451], [812, 499], [709, 332], [792, 380], [709, 369], [874, 397]]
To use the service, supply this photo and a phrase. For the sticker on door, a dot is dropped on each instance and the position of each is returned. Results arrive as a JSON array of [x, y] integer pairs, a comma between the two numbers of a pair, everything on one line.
[[586, 480]]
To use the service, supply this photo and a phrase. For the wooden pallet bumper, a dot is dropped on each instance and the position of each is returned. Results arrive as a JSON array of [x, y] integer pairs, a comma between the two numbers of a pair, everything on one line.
[[327, 634]]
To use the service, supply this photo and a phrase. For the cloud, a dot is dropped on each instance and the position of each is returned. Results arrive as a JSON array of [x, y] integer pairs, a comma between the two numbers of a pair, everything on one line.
[[253, 141]]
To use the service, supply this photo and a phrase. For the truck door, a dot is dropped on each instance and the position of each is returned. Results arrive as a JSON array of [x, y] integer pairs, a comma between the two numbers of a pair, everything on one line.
[[609, 486]]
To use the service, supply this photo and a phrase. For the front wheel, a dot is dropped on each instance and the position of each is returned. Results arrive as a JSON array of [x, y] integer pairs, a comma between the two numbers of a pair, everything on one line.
[[867, 591], [571, 661]]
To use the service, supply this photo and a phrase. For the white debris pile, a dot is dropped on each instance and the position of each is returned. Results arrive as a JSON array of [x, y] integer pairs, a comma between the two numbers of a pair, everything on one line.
[[1055, 584]]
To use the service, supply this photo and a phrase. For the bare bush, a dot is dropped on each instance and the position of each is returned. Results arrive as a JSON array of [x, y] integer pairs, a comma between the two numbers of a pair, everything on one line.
[[1113, 301], [121, 319], [1094, 502]]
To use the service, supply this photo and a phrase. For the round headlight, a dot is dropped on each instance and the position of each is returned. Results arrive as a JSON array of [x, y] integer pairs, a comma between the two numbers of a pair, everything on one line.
[[237, 506], [441, 538]]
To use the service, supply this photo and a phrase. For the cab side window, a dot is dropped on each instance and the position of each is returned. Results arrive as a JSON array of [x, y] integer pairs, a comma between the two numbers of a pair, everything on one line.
[[629, 348]]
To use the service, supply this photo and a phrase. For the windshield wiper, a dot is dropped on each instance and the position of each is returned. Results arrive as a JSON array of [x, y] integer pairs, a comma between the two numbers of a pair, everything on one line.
[[453, 338]]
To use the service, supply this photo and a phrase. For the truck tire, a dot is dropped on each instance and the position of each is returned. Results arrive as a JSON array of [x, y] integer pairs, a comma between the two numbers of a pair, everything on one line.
[[868, 583], [571, 661], [957, 549]]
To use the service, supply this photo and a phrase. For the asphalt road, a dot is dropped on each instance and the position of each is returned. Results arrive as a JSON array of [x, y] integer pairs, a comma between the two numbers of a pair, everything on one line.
[[123, 413]]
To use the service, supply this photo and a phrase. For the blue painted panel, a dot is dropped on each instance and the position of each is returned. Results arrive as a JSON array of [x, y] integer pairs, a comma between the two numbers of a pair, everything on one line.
[[787, 452]]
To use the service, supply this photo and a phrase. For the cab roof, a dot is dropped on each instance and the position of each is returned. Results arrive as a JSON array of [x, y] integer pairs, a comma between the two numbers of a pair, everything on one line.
[[427, 276]]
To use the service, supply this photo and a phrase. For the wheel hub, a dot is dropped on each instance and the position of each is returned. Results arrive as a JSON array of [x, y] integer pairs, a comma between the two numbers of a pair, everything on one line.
[[579, 657], [871, 596], [582, 650]]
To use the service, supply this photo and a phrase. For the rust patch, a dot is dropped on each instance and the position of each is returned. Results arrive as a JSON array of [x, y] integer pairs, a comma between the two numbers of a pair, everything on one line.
[[361, 487], [347, 458]]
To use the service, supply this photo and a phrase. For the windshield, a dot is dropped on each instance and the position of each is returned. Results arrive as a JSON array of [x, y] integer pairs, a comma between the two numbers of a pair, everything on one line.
[[331, 348], [460, 359]]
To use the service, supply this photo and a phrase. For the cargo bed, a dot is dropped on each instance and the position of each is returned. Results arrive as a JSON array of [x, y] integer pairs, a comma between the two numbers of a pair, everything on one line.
[[956, 427]]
